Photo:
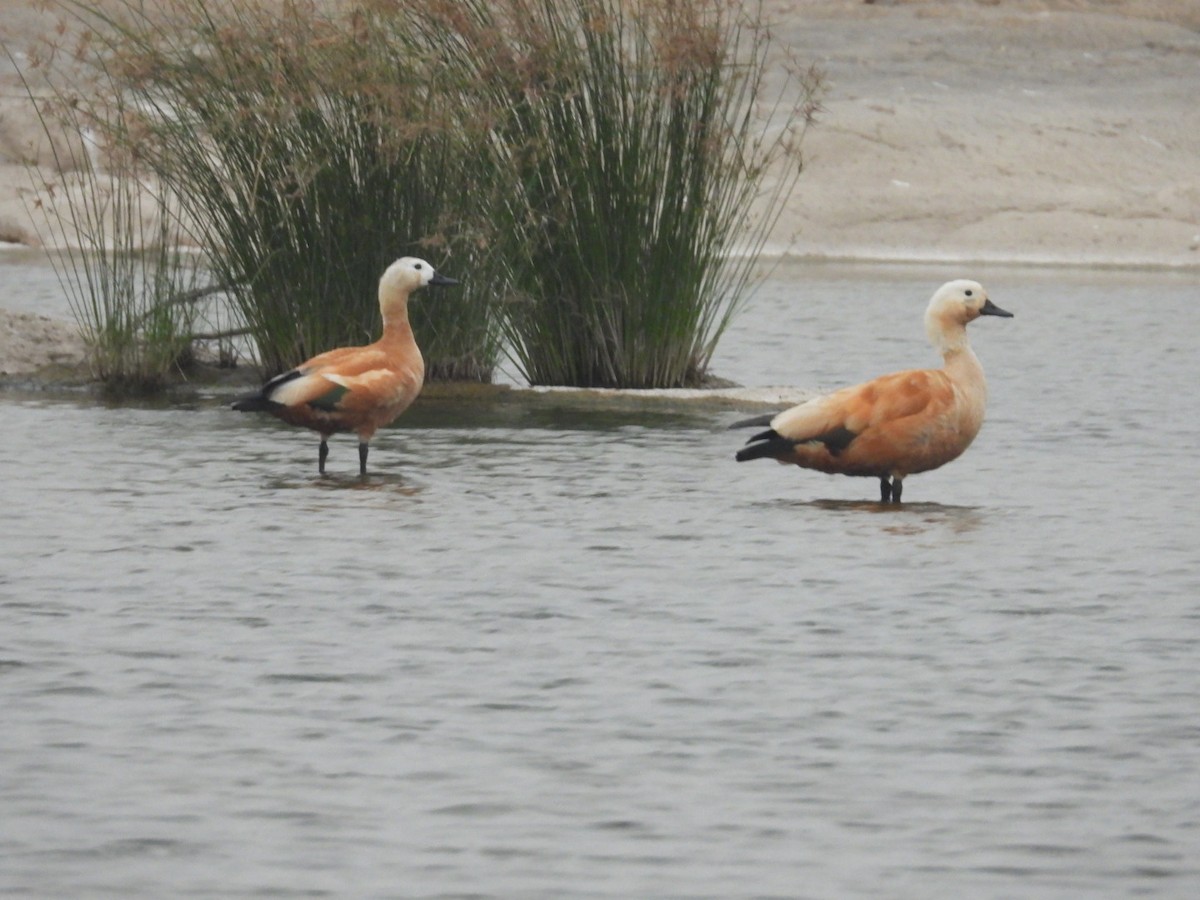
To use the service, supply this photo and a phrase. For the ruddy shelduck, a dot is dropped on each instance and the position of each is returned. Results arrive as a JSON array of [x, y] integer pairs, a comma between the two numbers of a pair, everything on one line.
[[356, 389], [895, 425]]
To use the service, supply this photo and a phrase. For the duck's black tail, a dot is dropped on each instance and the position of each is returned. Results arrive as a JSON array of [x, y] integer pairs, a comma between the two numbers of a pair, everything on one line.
[[255, 403], [261, 401], [767, 444]]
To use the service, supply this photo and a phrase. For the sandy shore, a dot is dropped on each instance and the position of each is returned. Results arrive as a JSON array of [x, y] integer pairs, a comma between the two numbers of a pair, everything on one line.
[[1035, 131], [1062, 131]]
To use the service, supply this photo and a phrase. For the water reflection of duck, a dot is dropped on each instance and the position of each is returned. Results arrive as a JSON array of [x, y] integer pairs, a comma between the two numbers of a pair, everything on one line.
[[895, 425], [356, 389]]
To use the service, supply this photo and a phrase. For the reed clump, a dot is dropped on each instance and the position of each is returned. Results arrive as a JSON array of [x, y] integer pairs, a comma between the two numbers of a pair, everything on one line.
[[649, 168], [310, 148], [601, 174], [118, 234]]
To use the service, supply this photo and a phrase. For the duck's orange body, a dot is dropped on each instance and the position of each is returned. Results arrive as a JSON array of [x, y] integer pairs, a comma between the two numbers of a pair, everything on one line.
[[895, 425], [356, 389], [352, 389]]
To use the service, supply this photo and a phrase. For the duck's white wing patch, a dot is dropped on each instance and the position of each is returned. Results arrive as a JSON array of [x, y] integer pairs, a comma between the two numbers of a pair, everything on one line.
[[303, 389], [800, 423]]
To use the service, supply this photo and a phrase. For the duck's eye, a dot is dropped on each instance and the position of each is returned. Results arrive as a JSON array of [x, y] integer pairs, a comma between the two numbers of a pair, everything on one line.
[[969, 293], [418, 267]]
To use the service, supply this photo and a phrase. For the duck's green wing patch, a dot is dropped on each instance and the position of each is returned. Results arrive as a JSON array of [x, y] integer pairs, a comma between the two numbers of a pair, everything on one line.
[[328, 402]]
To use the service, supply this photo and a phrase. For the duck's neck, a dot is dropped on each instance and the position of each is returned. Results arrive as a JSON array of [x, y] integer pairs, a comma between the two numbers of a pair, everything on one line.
[[961, 361], [395, 319], [398, 342], [965, 369], [397, 328], [946, 335], [965, 372], [949, 338]]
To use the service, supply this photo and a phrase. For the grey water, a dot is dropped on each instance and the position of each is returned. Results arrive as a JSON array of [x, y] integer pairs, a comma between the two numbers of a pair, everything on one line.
[[573, 653]]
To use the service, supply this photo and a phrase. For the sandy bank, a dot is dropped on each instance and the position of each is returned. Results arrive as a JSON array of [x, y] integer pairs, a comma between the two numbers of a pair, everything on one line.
[[30, 343], [1034, 131]]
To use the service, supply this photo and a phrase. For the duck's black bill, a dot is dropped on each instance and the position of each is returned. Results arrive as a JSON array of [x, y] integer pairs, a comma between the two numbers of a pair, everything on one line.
[[991, 309], [439, 280]]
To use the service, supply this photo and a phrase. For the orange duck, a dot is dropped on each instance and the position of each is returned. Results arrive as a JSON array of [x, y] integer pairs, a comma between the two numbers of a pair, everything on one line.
[[895, 425], [356, 389]]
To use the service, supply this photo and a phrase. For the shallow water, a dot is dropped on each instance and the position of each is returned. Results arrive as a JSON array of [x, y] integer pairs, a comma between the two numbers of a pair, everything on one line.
[[557, 653]]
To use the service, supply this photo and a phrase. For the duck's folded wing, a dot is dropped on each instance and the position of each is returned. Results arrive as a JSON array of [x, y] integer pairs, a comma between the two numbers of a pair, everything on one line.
[[814, 421], [325, 381], [902, 397], [836, 419]]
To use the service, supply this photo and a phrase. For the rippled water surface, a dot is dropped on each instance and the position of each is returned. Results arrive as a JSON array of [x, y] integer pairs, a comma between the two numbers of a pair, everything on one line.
[[554, 653]]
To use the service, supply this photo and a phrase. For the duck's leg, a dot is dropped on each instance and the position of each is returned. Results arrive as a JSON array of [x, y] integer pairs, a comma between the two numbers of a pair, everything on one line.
[[363, 446], [322, 455], [897, 486], [885, 490]]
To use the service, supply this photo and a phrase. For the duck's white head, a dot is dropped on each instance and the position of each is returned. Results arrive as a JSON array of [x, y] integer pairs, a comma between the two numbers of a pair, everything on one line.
[[400, 279], [407, 274], [955, 304]]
